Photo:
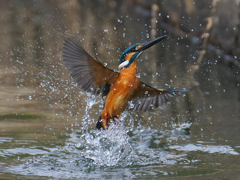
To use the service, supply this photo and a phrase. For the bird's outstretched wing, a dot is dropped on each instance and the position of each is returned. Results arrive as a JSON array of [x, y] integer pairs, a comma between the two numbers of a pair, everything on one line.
[[146, 97], [89, 73]]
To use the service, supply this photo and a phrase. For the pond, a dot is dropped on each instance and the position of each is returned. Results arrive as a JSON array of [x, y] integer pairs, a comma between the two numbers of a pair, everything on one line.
[[47, 123]]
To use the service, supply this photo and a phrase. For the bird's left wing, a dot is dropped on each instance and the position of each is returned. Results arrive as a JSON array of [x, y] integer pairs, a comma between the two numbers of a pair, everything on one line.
[[89, 73], [146, 97]]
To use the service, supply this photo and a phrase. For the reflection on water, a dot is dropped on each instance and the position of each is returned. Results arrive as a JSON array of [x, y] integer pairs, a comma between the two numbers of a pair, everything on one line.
[[47, 124]]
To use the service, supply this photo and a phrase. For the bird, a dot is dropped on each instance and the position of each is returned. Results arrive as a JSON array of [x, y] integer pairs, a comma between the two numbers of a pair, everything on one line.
[[121, 90]]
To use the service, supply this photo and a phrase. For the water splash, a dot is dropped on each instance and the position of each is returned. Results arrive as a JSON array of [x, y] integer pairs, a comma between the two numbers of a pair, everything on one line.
[[109, 147], [86, 120]]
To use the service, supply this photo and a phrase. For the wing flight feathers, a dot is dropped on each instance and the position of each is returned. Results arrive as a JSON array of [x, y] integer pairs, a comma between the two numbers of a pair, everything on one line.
[[146, 97], [89, 73]]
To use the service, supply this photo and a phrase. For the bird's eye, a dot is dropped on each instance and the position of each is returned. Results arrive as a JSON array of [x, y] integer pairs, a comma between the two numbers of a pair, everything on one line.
[[133, 49]]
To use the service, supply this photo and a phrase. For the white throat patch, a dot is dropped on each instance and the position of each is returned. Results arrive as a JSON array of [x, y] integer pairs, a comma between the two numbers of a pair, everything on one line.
[[123, 64]]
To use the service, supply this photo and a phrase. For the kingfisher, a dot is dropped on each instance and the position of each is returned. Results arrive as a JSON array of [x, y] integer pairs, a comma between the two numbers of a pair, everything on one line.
[[121, 90]]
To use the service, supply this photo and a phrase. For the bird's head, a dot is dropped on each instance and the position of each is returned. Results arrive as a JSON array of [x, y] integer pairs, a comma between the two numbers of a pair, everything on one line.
[[131, 53]]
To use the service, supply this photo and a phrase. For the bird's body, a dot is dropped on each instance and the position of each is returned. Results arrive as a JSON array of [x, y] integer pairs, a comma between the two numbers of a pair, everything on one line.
[[122, 90], [121, 93]]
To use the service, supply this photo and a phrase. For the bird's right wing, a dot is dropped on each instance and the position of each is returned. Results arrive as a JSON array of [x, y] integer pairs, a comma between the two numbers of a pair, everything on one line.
[[89, 73], [146, 97]]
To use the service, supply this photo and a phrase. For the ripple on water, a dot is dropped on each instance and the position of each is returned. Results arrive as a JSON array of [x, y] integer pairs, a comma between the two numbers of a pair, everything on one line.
[[118, 152], [114, 153], [99, 154]]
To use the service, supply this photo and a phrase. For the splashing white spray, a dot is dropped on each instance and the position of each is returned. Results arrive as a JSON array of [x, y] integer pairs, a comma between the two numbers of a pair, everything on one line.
[[106, 147]]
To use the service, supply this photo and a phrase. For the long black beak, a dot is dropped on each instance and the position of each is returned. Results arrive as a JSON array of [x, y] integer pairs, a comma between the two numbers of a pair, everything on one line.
[[148, 44]]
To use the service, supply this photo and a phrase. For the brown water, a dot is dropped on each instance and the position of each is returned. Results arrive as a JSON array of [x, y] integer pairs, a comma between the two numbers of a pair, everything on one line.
[[47, 123]]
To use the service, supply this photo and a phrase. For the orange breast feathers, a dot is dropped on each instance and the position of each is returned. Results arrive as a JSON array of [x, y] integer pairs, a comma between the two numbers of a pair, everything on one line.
[[122, 91]]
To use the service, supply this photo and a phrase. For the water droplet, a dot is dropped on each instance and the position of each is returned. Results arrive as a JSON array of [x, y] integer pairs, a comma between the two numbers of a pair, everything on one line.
[[138, 75]]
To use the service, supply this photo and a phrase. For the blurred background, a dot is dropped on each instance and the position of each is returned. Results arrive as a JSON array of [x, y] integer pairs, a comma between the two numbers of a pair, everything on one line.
[[41, 108]]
